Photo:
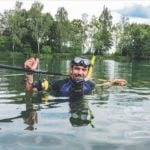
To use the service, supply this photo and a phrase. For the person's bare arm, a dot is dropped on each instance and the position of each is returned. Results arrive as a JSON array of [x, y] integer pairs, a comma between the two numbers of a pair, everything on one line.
[[119, 82], [30, 64]]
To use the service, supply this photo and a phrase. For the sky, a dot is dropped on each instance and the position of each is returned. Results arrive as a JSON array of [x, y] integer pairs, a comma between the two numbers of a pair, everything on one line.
[[136, 10]]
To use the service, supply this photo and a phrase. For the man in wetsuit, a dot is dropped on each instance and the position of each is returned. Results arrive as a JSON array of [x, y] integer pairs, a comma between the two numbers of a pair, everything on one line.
[[77, 85]]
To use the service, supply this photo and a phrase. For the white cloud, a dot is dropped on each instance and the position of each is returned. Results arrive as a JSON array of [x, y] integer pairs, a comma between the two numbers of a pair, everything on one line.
[[138, 11]]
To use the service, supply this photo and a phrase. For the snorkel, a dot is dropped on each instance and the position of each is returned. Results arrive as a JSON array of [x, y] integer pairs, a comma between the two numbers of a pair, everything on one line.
[[92, 64]]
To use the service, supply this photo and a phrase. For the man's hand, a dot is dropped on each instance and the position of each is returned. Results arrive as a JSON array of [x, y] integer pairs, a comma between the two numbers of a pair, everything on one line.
[[31, 63], [79, 81]]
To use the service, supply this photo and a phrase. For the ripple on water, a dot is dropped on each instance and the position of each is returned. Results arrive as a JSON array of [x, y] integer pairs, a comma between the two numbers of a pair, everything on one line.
[[40, 141]]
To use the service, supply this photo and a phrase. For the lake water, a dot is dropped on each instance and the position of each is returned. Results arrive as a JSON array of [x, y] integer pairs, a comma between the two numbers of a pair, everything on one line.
[[117, 118]]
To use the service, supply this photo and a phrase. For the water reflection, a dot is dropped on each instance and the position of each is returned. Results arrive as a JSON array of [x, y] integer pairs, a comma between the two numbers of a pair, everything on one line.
[[116, 70], [9, 120], [121, 114], [110, 67], [80, 113], [140, 74], [30, 115]]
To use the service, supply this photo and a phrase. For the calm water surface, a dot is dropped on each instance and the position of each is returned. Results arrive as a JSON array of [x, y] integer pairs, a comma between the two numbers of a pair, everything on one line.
[[117, 118]]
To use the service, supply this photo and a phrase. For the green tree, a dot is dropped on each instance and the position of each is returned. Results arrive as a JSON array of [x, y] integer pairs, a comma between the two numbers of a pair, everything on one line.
[[61, 29], [103, 37], [4, 38], [38, 24], [54, 38], [122, 37], [12, 22], [4, 43], [135, 41], [76, 36], [140, 37]]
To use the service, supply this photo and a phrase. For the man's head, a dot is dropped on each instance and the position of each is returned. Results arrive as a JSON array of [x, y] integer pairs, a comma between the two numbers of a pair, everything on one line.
[[79, 67]]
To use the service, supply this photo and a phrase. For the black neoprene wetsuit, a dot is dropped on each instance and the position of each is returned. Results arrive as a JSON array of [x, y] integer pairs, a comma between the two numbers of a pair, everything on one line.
[[67, 87]]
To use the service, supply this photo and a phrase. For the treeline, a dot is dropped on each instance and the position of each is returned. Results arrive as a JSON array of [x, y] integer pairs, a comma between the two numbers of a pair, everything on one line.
[[35, 32]]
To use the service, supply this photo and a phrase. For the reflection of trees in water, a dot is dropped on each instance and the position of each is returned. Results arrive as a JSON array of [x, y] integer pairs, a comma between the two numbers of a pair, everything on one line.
[[140, 74], [16, 83], [12, 88], [110, 69], [115, 70], [58, 64]]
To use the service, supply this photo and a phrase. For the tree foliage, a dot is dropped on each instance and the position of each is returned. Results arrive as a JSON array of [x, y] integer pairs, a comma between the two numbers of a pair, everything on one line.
[[34, 31], [103, 36], [135, 41], [76, 35]]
